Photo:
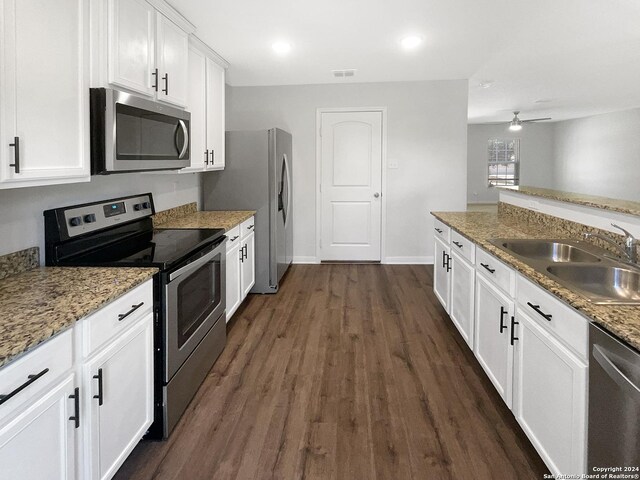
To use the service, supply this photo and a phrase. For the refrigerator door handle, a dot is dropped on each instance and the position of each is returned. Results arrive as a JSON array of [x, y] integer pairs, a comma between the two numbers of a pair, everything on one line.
[[288, 180]]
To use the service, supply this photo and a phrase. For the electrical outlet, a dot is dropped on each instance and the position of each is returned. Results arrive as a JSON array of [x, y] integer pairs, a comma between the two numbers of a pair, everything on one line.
[[392, 163]]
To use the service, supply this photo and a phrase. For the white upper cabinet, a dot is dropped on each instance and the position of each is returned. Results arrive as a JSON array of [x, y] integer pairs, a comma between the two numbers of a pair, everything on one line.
[[131, 25], [196, 104], [215, 114], [147, 48], [172, 61], [43, 92]]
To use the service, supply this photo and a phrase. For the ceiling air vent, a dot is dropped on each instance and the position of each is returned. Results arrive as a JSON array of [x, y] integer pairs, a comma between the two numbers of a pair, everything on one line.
[[344, 73]]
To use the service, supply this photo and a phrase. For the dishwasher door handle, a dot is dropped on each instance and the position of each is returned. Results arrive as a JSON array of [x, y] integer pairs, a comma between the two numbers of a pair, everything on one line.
[[614, 372]]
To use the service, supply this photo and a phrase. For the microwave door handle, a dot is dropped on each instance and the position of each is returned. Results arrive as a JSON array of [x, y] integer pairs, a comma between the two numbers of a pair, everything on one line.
[[185, 132]]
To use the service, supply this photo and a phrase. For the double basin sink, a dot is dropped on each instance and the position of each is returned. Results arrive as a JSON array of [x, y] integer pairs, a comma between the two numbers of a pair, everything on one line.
[[580, 267]]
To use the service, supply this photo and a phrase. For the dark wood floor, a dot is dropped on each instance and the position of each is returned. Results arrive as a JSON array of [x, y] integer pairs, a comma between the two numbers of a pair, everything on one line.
[[349, 372]]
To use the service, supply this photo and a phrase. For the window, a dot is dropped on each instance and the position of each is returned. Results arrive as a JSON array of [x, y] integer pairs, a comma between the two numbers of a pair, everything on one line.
[[504, 161]]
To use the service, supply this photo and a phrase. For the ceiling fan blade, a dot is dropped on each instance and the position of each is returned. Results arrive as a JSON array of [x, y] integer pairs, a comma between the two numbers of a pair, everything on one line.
[[535, 119], [495, 123]]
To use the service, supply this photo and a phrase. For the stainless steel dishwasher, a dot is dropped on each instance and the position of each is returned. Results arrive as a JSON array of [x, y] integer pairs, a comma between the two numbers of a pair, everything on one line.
[[614, 403]]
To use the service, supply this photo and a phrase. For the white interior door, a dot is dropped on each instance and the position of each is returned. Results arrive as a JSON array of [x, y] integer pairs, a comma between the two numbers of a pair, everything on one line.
[[350, 190]]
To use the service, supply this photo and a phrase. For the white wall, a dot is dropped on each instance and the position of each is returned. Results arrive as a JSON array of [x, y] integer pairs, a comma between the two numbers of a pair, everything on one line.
[[599, 155], [536, 157], [427, 135], [22, 223]]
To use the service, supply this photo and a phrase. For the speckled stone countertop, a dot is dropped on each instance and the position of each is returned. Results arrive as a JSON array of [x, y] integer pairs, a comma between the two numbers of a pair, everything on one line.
[[611, 204], [621, 320], [37, 304], [209, 219]]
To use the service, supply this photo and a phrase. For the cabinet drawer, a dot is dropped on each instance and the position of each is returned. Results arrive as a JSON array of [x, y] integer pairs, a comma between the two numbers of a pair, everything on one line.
[[233, 237], [463, 246], [47, 362], [442, 231], [247, 227], [101, 326], [496, 271], [563, 321]]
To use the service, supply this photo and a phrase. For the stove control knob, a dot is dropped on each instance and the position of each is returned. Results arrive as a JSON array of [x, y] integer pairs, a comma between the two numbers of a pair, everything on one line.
[[146, 205], [137, 207], [75, 221], [90, 218]]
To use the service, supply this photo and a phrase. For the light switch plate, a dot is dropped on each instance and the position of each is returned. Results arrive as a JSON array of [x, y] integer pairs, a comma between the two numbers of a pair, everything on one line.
[[392, 163]]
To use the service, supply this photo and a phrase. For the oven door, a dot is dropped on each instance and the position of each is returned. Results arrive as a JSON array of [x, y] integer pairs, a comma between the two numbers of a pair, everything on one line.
[[194, 300], [144, 135]]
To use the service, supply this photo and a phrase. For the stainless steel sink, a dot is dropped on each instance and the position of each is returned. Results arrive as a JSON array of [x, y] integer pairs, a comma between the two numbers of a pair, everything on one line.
[[557, 251], [580, 267], [601, 283]]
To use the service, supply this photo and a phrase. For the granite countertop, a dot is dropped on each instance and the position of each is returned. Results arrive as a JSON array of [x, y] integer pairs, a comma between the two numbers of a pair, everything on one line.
[[39, 303], [209, 219], [605, 203], [621, 320]]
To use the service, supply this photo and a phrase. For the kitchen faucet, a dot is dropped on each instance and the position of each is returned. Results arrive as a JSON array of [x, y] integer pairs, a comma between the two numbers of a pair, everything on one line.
[[629, 249]]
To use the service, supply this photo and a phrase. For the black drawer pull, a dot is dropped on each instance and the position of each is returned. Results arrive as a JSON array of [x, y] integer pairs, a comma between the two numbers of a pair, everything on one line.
[[100, 395], [459, 245], [31, 379], [250, 227], [76, 407], [547, 316], [122, 316], [438, 230], [490, 270], [502, 314], [233, 239], [513, 323]]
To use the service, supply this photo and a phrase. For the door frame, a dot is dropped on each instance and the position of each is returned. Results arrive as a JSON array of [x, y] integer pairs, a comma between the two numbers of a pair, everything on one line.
[[383, 192]]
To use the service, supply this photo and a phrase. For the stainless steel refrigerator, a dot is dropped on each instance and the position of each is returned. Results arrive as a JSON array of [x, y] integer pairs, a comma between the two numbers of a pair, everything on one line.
[[257, 176]]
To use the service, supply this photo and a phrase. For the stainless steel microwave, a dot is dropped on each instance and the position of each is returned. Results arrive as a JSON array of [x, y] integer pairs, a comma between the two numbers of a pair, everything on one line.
[[133, 134]]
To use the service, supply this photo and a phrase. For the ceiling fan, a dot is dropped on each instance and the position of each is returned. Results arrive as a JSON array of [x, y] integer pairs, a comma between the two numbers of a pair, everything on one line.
[[515, 124]]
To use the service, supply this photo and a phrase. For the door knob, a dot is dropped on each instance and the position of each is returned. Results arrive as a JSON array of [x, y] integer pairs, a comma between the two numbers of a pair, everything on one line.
[[376, 195]]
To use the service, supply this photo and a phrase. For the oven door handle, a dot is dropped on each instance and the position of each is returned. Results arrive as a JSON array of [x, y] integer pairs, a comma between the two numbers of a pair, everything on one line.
[[196, 264]]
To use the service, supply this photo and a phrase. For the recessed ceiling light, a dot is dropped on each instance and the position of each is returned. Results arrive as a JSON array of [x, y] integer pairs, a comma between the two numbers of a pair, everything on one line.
[[281, 48], [411, 42]]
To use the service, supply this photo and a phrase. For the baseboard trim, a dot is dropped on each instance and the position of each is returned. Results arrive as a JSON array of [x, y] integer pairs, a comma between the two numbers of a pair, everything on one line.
[[408, 261], [305, 260]]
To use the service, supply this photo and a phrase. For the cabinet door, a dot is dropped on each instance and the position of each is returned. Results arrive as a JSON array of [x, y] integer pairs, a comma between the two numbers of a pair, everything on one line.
[[441, 270], [43, 92], [234, 279], [131, 25], [197, 106], [550, 397], [121, 378], [215, 113], [492, 344], [248, 264], [40, 442], [172, 62], [462, 296]]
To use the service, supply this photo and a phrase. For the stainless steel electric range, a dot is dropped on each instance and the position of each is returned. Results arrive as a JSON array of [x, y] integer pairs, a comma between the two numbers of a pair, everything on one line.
[[189, 290]]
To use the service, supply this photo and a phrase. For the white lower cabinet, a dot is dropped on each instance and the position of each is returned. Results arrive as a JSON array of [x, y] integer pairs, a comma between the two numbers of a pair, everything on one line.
[[40, 442], [441, 269], [462, 296], [241, 265], [550, 391], [119, 383], [492, 344]]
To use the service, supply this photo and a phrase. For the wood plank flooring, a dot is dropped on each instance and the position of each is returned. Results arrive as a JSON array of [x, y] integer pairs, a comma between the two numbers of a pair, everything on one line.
[[349, 372]]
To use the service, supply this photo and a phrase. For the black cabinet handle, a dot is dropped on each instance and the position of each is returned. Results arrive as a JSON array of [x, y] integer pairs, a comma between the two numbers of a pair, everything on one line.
[[206, 157], [166, 84], [459, 245], [448, 262], [31, 379], [100, 395], [444, 259], [490, 270], [76, 407], [438, 230], [513, 324], [502, 314], [250, 227], [245, 249], [233, 239], [16, 154], [213, 156], [155, 81], [547, 316], [241, 251], [122, 316]]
